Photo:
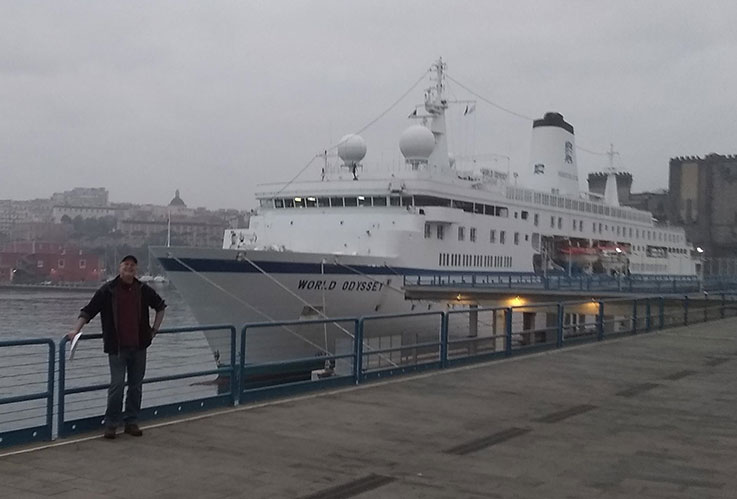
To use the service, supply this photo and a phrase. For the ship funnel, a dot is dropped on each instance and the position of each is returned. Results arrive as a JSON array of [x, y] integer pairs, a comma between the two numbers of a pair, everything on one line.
[[611, 195], [553, 156]]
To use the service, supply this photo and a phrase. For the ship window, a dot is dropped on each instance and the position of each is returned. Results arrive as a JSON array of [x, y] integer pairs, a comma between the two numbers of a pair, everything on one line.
[[406, 200], [489, 210], [350, 201], [82, 264], [289, 203], [61, 263], [478, 208], [363, 201], [516, 238], [525, 214], [461, 233], [501, 211], [431, 201], [299, 202], [463, 205], [502, 236], [311, 202], [552, 222], [428, 231], [492, 236], [472, 234], [560, 222], [440, 232], [527, 237], [336, 202], [379, 201], [536, 219], [515, 214], [323, 202], [395, 201], [266, 203]]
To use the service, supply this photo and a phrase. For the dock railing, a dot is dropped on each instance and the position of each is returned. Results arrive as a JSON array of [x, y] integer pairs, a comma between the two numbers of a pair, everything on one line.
[[350, 350], [24, 371]]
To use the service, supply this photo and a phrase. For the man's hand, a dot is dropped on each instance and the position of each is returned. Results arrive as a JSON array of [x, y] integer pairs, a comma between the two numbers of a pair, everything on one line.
[[71, 334]]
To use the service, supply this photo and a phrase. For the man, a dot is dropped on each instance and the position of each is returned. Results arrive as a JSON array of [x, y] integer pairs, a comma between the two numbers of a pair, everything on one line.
[[123, 305]]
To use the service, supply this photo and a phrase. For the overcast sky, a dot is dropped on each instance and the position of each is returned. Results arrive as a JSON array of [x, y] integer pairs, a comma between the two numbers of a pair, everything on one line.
[[214, 98]]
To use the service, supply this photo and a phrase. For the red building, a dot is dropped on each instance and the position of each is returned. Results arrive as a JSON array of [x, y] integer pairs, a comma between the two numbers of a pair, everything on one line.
[[34, 262]]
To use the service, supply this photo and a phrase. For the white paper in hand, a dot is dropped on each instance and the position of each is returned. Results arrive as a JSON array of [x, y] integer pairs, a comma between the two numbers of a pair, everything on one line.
[[75, 342]]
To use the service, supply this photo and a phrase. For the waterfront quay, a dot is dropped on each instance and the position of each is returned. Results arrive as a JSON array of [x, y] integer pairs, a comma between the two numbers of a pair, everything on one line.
[[648, 415]]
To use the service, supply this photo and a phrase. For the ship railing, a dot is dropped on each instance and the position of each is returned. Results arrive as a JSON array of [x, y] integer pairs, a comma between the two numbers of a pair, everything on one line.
[[353, 350], [619, 283]]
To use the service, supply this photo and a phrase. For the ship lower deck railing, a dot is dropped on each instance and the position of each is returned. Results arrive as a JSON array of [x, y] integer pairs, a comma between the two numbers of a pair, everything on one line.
[[340, 352], [619, 283]]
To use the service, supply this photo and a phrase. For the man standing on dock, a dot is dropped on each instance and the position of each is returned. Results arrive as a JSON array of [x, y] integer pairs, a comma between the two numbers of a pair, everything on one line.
[[123, 305]]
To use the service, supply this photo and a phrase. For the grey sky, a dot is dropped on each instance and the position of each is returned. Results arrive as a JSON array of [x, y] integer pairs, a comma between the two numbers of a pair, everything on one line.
[[215, 97]]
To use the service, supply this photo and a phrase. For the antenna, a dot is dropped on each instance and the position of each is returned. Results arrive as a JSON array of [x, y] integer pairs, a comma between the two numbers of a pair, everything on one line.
[[611, 153]]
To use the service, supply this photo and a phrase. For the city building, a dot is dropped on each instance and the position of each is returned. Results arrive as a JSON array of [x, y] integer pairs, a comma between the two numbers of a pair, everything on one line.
[[703, 199], [34, 262]]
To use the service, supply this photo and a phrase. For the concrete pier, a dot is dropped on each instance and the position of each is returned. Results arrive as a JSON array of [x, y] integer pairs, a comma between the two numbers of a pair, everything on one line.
[[647, 416]]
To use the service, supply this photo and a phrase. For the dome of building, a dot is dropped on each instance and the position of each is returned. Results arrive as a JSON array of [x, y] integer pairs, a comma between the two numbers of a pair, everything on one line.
[[177, 201]]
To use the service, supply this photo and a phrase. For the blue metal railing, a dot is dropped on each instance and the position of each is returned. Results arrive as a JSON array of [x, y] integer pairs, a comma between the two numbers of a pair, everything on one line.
[[67, 427], [282, 376], [32, 433], [425, 340]]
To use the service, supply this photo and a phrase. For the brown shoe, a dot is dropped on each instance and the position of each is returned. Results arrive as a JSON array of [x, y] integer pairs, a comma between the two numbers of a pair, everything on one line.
[[109, 433], [133, 429]]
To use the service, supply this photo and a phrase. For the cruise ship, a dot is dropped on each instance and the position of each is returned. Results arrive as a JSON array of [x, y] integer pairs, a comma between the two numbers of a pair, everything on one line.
[[340, 244]]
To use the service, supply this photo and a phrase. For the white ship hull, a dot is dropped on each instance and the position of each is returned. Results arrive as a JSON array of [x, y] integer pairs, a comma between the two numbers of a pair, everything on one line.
[[225, 286]]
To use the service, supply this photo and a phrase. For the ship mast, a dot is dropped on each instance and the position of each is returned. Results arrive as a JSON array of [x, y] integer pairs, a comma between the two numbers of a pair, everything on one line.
[[435, 105]]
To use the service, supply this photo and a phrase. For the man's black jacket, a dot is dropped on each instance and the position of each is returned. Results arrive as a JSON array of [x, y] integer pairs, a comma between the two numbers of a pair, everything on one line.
[[106, 304]]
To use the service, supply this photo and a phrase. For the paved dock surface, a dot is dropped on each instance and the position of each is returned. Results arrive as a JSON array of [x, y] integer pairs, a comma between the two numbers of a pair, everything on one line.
[[651, 416]]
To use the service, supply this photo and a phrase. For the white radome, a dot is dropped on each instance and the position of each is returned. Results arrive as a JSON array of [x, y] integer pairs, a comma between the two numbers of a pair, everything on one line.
[[417, 143], [351, 148]]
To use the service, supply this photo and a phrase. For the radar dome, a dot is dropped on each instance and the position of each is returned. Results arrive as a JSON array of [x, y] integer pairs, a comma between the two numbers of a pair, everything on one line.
[[351, 149], [417, 143]]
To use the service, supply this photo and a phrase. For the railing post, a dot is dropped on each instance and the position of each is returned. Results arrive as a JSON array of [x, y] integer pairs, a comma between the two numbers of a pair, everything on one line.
[[359, 351], [706, 306], [62, 387], [50, 389], [242, 366], [685, 310], [508, 331], [509, 280], [559, 336], [634, 316], [647, 314], [600, 321], [444, 319], [661, 312], [724, 305], [235, 372]]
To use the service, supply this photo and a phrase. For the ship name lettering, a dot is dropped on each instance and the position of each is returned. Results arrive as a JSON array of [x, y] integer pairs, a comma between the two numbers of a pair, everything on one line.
[[316, 284], [362, 286]]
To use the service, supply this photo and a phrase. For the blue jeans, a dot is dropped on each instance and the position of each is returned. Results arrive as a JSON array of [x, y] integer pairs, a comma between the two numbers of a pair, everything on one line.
[[134, 362]]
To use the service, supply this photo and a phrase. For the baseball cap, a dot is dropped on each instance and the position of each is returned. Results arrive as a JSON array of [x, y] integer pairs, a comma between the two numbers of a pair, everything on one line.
[[130, 257]]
